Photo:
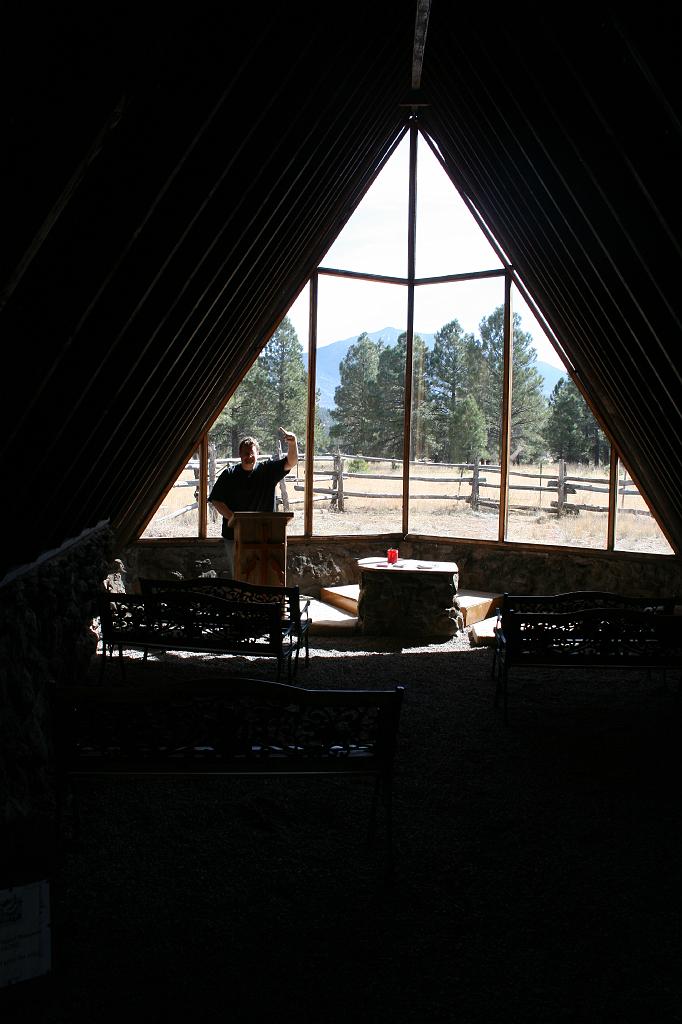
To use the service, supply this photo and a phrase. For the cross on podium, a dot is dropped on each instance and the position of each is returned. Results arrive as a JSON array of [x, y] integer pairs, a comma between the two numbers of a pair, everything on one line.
[[260, 547]]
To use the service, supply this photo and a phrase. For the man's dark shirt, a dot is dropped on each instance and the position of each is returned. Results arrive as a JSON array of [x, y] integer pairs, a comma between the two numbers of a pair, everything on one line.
[[252, 491]]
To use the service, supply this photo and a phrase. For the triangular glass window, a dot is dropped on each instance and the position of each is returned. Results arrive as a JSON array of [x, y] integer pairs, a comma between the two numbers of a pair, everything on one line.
[[558, 489], [449, 241], [636, 527], [374, 239]]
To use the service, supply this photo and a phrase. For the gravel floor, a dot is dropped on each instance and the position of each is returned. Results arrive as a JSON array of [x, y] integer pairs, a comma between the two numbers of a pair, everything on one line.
[[538, 865]]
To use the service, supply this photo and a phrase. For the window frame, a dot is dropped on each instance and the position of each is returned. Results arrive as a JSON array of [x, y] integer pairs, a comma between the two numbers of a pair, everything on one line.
[[411, 283]]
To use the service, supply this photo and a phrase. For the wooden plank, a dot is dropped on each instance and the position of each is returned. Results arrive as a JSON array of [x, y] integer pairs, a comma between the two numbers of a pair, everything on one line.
[[345, 597], [477, 605], [483, 632], [327, 620]]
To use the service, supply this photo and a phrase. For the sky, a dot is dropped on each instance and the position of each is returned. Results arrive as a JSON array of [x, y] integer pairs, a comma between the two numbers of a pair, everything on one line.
[[375, 240]]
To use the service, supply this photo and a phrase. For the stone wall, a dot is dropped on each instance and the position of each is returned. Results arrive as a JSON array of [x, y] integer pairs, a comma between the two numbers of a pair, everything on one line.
[[310, 564], [489, 567], [498, 568], [46, 613], [422, 604]]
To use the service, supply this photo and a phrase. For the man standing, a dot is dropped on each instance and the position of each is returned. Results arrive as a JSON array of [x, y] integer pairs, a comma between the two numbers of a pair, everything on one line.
[[250, 486]]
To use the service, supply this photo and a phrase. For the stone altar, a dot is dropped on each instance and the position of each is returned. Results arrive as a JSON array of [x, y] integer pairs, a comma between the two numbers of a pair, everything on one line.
[[413, 597]]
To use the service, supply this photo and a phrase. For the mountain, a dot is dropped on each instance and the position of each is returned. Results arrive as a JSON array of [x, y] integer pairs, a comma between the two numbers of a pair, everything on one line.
[[550, 375], [329, 357]]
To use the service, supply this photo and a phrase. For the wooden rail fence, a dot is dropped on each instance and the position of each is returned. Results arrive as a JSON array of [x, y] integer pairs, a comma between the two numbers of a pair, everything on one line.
[[333, 485], [563, 483]]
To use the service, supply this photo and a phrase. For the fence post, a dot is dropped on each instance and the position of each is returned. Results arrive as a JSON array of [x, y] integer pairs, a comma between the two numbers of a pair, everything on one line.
[[561, 487], [338, 480], [474, 484]]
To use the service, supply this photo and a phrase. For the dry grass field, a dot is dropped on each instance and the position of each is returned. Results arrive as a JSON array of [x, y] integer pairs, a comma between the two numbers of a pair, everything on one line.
[[373, 499]]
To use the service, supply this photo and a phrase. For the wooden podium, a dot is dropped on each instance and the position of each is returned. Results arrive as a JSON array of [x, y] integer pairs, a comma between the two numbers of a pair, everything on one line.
[[260, 547]]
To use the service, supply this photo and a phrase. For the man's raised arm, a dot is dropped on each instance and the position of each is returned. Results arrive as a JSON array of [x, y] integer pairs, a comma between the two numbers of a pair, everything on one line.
[[292, 448]]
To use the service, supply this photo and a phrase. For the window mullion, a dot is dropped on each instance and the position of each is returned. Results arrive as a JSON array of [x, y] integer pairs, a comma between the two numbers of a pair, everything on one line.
[[310, 424], [505, 439], [411, 252]]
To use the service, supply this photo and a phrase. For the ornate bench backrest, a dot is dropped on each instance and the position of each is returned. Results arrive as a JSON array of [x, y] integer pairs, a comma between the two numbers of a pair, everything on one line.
[[583, 600], [229, 725], [185, 616], [230, 590], [617, 636]]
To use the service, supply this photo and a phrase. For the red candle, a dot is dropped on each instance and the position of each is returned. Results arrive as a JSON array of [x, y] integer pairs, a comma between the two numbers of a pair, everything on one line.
[[392, 556]]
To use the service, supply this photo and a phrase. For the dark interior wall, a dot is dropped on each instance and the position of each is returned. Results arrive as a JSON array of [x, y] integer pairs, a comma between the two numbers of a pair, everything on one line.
[[202, 170], [564, 129], [169, 186]]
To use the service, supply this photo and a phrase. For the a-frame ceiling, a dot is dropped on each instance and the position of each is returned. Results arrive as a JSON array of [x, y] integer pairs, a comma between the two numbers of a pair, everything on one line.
[[168, 189]]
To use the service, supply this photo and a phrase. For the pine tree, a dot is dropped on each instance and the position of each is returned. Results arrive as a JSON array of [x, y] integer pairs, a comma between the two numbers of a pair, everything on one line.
[[390, 400], [453, 370], [528, 411], [471, 435], [321, 428], [245, 414], [389, 412], [273, 394], [422, 427], [571, 431], [286, 394], [355, 397]]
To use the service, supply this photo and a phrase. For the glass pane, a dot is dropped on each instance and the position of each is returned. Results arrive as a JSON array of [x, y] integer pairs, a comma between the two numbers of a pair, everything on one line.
[[360, 378], [273, 394], [456, 408], [449, 241], [559, 458], [177, 515], [374, 239], [636, 528]]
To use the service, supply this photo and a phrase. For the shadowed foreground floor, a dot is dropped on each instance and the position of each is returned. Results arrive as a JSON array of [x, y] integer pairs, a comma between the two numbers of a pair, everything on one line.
[[538, 865]]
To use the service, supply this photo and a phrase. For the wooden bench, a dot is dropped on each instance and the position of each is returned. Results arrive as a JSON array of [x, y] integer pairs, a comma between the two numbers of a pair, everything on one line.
[[294, 606], [197, 622], [584, 629], [227, 726]]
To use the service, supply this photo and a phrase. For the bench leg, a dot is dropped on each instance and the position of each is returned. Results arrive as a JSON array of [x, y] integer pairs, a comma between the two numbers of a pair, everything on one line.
[[120, 662], [501, 686], [306, 645], [295, 655]]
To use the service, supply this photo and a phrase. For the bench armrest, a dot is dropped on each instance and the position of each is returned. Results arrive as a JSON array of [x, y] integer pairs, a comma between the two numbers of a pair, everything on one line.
[[500, 639]]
